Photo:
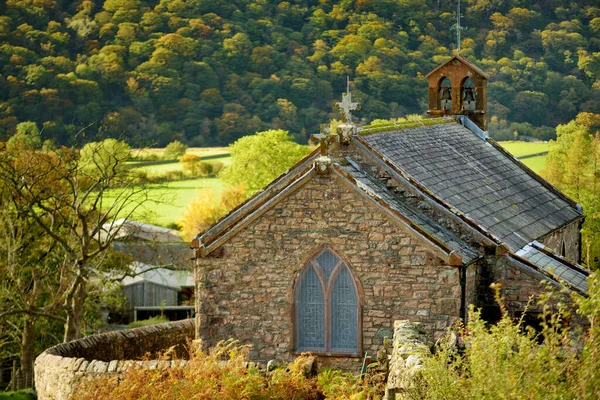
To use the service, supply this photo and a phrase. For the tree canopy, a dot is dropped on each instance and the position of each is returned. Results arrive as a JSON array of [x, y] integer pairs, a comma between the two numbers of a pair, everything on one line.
[[258, 159], [208, 73]]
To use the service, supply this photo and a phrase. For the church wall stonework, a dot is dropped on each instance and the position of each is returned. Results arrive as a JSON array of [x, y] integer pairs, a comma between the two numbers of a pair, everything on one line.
[[248, 288], [569, 235]]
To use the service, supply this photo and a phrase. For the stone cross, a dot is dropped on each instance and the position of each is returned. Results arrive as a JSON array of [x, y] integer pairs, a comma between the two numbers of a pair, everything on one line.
[[346, 106], [324, 138]]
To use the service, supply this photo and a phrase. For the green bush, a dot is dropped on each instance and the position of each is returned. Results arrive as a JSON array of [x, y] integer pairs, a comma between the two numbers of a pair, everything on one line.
[[174, 150], [511, 361], [216, 167]]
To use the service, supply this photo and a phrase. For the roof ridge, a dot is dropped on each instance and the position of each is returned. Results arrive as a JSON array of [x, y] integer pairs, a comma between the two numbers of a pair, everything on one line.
[[463, 60]]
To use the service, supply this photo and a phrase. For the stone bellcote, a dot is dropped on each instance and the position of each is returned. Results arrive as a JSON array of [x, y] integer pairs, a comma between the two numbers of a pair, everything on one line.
[[458, 87]]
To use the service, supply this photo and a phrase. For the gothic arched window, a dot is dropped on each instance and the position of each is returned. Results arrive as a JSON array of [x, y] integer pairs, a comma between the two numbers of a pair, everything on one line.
[[468, 95], [327, 306], [445, 94]]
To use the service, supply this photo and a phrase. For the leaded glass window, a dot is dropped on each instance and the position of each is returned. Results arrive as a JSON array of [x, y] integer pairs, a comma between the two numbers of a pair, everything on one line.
[[311, 314], [327, 306]]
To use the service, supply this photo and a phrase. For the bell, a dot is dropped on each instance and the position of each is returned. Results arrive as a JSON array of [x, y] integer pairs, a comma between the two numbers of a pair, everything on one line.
[[469, 95], [446, 95]]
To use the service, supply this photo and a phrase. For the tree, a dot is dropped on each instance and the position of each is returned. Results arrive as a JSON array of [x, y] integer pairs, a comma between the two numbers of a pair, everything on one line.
[[27, 136], [573, 166], [74, 198], [201, 213], [258, 159], [174, 150], [30, 288]]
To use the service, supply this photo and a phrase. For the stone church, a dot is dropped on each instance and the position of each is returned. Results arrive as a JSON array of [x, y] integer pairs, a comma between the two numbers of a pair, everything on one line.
[[401, 221]]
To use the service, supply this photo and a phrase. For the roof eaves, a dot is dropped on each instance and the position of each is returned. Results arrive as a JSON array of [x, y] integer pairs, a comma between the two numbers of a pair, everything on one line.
[[546, 274], [447, 254], [539, 246], [425, 193], [206, 247], [529, 266], [538, 178], [463, 60], [255, 201]]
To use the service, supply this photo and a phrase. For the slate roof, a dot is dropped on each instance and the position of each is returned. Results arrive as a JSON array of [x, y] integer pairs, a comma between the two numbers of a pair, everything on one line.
[[476, 179], [554, 266], [376, 189]]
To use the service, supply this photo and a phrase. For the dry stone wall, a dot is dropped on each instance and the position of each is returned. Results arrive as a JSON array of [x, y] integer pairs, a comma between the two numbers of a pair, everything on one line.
[[410, 348], [60, 369]]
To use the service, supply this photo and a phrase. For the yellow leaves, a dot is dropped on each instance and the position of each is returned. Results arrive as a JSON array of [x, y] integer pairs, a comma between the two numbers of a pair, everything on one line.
[[200, 214]]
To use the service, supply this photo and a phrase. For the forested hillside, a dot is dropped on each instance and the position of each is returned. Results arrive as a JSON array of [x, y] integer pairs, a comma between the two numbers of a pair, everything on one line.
[[209, 71]]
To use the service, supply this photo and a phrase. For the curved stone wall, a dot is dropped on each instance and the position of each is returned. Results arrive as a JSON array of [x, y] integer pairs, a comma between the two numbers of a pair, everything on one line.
[[60, 369]]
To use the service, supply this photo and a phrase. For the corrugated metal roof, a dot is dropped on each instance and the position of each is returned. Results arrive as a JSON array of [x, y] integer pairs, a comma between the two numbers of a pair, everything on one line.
[[160, 276], [558, 268], [476, 179], [377, 189]]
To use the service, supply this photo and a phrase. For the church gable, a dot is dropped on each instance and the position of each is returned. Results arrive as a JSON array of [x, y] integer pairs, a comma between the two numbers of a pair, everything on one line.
[[252, 285]]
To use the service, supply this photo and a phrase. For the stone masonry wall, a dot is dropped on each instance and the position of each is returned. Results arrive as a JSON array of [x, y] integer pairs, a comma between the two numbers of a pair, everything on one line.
[[249, 286], [569, 235], [60, 369]]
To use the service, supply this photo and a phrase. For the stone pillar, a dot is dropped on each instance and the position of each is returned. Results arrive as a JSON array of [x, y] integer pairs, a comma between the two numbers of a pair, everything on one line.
[[409, 349]]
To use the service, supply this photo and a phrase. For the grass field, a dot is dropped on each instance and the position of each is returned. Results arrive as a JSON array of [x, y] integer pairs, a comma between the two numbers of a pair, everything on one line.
[[520, 149], [523, 149], [535, 163], [171, 199], [198, 151]]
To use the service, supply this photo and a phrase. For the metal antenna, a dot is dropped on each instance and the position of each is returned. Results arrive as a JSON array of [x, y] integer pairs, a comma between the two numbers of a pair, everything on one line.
[[458, 27]]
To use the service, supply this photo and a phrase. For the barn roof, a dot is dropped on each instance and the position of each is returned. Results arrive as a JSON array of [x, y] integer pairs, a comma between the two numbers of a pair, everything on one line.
[[175, 279], [475, 178]]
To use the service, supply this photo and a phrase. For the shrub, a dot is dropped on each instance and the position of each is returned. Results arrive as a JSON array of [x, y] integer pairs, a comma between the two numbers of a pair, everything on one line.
[[147, 322], [174, 150], [174, 175], [223, 373], [216, 167], [510, 361]]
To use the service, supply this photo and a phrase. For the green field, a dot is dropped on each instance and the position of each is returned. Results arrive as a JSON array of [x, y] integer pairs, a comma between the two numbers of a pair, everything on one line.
[[535, 163], [169, 200], [522, 150], [166, 166]]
